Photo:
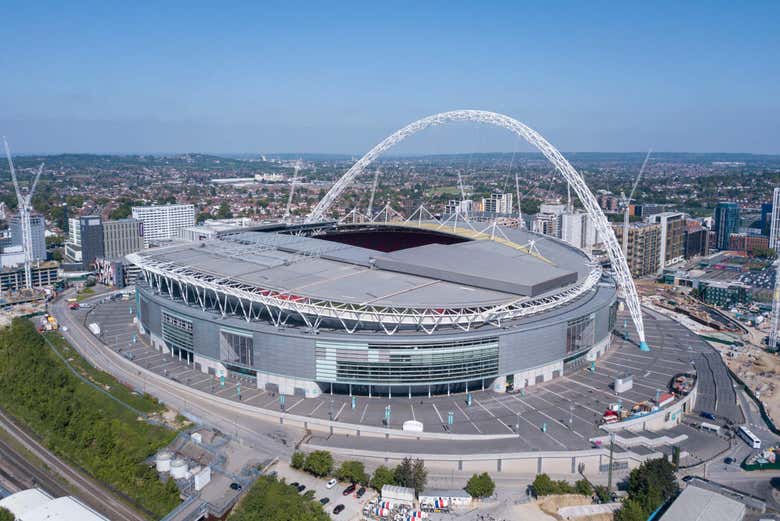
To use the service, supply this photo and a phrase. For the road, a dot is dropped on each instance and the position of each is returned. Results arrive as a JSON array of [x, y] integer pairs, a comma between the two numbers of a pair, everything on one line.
[[251, 428], [88, 490]]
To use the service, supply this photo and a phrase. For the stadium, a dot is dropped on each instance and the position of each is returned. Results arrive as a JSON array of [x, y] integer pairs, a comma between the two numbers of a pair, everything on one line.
[[394, 308]]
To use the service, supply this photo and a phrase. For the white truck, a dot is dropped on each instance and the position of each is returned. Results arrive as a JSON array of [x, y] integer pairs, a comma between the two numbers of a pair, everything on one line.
[[95, 328]]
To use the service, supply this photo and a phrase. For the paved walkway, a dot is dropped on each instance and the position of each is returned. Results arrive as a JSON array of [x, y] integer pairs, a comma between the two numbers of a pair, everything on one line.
[[558, 415]]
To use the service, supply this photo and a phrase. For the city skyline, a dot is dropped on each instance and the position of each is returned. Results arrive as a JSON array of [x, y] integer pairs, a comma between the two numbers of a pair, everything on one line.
[[298, 79]]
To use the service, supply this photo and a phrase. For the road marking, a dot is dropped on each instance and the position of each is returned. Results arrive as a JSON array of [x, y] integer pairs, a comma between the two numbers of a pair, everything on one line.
[[494, 416], [437, 413], [466, 416], [336, 418], [319, 404], [293, 405], [412, 407], [364, 413]]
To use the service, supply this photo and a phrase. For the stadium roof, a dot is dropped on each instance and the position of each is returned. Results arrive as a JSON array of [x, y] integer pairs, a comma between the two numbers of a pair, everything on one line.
[[472, 273]]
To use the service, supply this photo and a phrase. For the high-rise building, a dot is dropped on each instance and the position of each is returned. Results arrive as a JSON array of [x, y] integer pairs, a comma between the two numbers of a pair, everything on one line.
[[726, 218], [74, 231], [697, 242], [498, 203], [92, 242], [162, 223], [774, 225], [38, 231], [766, 218], [463, 207], [121, 238], [578, 230], [644, 247], [672, 248]]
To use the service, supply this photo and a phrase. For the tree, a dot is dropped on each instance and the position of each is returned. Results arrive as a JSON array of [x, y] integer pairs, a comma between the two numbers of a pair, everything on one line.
[[319, 463], [298, 460], [583, 486], [543, 485], [481, 485], [382, 476], [632, 510], [411, 474], [602, 493], [653, 482], [352, 471], [6, 515], [272, 500], [224, 211]]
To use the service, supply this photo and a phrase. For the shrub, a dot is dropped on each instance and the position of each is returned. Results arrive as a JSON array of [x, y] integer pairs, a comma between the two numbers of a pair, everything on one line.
[[319, 463], [352, 471], [481, 485], [298, 459]]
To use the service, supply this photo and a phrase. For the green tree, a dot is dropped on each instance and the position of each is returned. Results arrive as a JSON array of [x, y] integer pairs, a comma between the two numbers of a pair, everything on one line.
[[411, 474], [352, 471], [583, 486], [480, 485], [319, 463], [543, 485], [382, 476], [632, 510], [6, 515], [272, 500], [602, 493], [653, 482], [298, 460], [224, 211]]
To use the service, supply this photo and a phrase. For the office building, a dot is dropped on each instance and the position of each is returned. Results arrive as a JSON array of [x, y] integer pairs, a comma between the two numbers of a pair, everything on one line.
[[163, 223], [122, 237], [696, 240], [672, 248], [766, 218], [774, 224], [726, 222], [644, 247], [38, 231], [92, 245]]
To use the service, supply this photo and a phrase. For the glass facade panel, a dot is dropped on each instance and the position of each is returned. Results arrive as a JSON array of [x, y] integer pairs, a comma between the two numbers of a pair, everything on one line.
[[177, 334], [406, 364], [580, 333], [236, 348]]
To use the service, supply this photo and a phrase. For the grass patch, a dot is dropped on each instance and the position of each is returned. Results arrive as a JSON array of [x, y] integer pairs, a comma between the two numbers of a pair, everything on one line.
[[80, 423], [143, 402], [84, 293]]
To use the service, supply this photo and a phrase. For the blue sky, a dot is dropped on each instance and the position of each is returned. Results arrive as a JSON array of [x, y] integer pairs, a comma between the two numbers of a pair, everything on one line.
[[315, 77]]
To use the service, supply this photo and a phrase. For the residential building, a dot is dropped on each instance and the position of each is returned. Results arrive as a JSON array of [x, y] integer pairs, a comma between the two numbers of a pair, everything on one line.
[[163, 223], [724, 294], [648, 209], [643, 251], [74, 231], [578, 230], [38, 231], [774, 224], [547, 224], [748, 243], [121, 238], [696, 240], [766, 216], [498, 203], [673, 227], [726, 217], [463, 207]]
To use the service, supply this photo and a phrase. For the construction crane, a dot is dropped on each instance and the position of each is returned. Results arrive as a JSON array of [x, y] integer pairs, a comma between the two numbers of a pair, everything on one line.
[[520, 223], [25, 211], [625, 202], [293, 182]]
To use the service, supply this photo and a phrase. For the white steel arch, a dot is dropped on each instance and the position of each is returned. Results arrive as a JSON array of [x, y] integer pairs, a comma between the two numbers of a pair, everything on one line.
[[575, 180]]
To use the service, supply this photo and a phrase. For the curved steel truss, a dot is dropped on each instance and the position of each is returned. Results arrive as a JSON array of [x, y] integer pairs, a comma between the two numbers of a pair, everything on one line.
[[575, 180], [228, 296]]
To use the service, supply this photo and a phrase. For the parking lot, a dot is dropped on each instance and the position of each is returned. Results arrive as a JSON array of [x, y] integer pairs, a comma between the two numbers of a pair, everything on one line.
[[561, 414], [353, 506]]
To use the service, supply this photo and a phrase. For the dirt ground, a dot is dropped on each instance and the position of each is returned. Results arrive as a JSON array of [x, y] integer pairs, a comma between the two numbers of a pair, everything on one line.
[[551, 504], [759, 370]]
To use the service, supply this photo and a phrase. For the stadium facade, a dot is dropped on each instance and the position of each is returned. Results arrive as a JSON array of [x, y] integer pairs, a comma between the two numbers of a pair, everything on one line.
[[377, 309]]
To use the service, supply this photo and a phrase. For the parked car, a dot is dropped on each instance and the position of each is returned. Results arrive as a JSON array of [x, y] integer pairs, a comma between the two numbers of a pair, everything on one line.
[[360, 492], [349, 490], [294, 484], [729, 460], [235, 486], [324, 501], [338, 509], [301, 488], [331, 483], [708, 415]]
